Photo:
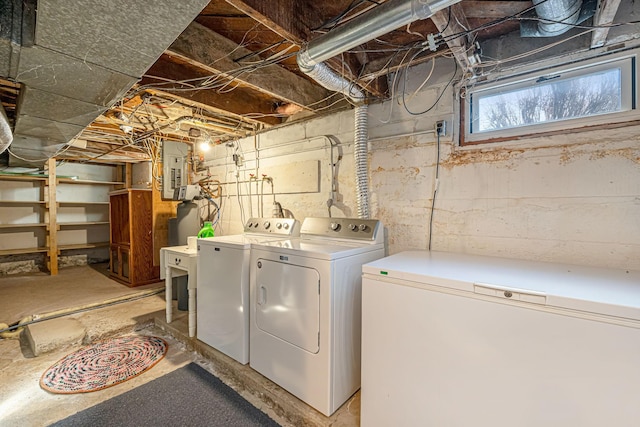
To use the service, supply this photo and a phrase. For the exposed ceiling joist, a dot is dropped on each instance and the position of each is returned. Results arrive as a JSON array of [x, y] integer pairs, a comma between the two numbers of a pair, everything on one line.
[[242, 124], [605, 14], [231, 98], [294, 20], [217, 55], [285, 17], [490, 9], [450, 22]]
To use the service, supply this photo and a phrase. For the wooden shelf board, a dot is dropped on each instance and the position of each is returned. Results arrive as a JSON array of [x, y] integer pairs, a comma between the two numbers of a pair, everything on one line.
[[36, 224], [4, 177], [22, 202], [22, 251], [88, 181], [83, 246], [81, 203], [75, 224]]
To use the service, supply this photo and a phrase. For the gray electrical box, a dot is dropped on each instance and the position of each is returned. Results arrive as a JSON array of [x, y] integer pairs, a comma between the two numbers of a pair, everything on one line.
[[174, 167]]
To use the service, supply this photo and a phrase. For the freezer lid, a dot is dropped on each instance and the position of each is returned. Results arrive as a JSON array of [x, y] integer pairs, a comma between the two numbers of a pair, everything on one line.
[[601, 291]]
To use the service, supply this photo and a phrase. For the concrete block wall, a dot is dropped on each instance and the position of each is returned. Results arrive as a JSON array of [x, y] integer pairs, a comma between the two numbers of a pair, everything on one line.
[[570, 198]]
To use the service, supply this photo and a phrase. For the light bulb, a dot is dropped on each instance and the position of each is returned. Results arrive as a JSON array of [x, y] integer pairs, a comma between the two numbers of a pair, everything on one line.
[[204, 146]]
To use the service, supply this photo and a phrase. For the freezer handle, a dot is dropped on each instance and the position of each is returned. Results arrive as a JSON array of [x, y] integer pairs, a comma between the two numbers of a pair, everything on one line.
[[512, 294]]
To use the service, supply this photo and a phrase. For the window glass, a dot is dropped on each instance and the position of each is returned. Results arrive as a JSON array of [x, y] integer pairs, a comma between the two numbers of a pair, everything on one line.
[[594, 92], [550, 100]]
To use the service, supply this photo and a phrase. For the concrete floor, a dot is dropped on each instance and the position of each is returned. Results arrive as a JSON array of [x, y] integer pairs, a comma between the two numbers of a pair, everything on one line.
[[24, 403]]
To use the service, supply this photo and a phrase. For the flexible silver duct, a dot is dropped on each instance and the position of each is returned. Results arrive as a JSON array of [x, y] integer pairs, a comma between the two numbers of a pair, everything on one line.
[[6, 136], [378, 21], [360, 155], [332, 81]]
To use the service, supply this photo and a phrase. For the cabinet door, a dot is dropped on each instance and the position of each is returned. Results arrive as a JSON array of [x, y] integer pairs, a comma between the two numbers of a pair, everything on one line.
[[114, 259], [125, 262]]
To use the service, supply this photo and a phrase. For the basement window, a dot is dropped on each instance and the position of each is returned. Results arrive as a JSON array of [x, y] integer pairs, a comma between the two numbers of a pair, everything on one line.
[[595, 93]]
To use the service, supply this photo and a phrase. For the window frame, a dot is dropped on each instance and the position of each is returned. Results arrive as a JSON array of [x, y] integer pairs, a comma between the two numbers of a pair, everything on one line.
[[630, 81]]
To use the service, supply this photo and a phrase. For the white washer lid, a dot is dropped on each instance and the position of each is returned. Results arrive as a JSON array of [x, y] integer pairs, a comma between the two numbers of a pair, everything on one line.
[[611, 292], [238, 240]]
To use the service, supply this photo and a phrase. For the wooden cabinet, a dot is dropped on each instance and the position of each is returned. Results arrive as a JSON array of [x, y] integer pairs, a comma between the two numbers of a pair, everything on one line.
[[132, 237]]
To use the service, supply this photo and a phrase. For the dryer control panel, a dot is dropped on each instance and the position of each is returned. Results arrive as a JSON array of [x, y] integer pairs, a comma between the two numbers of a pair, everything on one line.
[[343, 228]]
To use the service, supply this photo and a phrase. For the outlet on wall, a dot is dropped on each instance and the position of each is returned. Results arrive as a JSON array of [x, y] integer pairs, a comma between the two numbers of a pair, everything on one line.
[[441, 127]]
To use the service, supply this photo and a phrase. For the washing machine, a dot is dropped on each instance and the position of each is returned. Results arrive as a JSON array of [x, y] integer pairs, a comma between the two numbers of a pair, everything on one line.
[[305, 308], [222, 302]]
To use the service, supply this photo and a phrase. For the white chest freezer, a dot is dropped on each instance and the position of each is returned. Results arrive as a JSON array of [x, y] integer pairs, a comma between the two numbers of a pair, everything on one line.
[[459, 340]]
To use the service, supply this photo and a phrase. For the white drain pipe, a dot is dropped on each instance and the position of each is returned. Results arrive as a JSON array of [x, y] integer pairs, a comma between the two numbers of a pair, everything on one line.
[[366, 27]]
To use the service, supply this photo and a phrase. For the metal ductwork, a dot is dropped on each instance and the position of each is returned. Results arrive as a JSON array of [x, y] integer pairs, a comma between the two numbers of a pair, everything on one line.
[[555, 17], [366, 27], [76, 58]]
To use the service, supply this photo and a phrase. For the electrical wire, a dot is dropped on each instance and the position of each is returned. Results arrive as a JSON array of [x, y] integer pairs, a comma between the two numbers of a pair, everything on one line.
[[435, 189], [442, 92]]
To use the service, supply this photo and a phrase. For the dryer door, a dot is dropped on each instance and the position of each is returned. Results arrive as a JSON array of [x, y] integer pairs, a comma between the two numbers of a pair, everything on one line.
[[288, 303]]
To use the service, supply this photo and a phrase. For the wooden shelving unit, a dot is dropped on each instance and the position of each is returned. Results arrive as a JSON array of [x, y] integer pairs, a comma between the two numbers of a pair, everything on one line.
[[49, 214]]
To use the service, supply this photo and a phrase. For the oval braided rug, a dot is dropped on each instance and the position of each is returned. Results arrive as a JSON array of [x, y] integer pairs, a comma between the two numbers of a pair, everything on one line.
[[103, 364]]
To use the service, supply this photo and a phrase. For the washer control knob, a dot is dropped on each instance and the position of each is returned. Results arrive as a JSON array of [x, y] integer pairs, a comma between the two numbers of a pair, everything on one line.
[[364, 227], [266, 224], [286, 225], [334, 226], [353, 227], [279, 225]]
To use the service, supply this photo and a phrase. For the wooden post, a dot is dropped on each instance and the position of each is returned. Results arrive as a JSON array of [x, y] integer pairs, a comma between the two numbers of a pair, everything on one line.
[[51, 218]]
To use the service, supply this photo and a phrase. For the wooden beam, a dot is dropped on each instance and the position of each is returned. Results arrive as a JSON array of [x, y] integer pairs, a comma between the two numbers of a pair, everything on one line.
[[216, 55], [249, 122], [605, 15], [293, 20], [489, 9], [453, 21], [238, 102], [285, 17], [383, 66]]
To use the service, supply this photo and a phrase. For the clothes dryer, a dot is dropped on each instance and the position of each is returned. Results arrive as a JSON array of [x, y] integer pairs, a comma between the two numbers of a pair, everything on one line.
[[223, 285], [305, 308]]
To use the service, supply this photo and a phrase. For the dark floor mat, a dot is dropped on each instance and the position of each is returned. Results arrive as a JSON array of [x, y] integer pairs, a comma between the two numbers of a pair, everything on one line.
[[189, 396]]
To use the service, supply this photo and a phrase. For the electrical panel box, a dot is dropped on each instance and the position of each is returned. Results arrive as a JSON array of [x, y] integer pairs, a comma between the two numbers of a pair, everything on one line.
[[174, 167]]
